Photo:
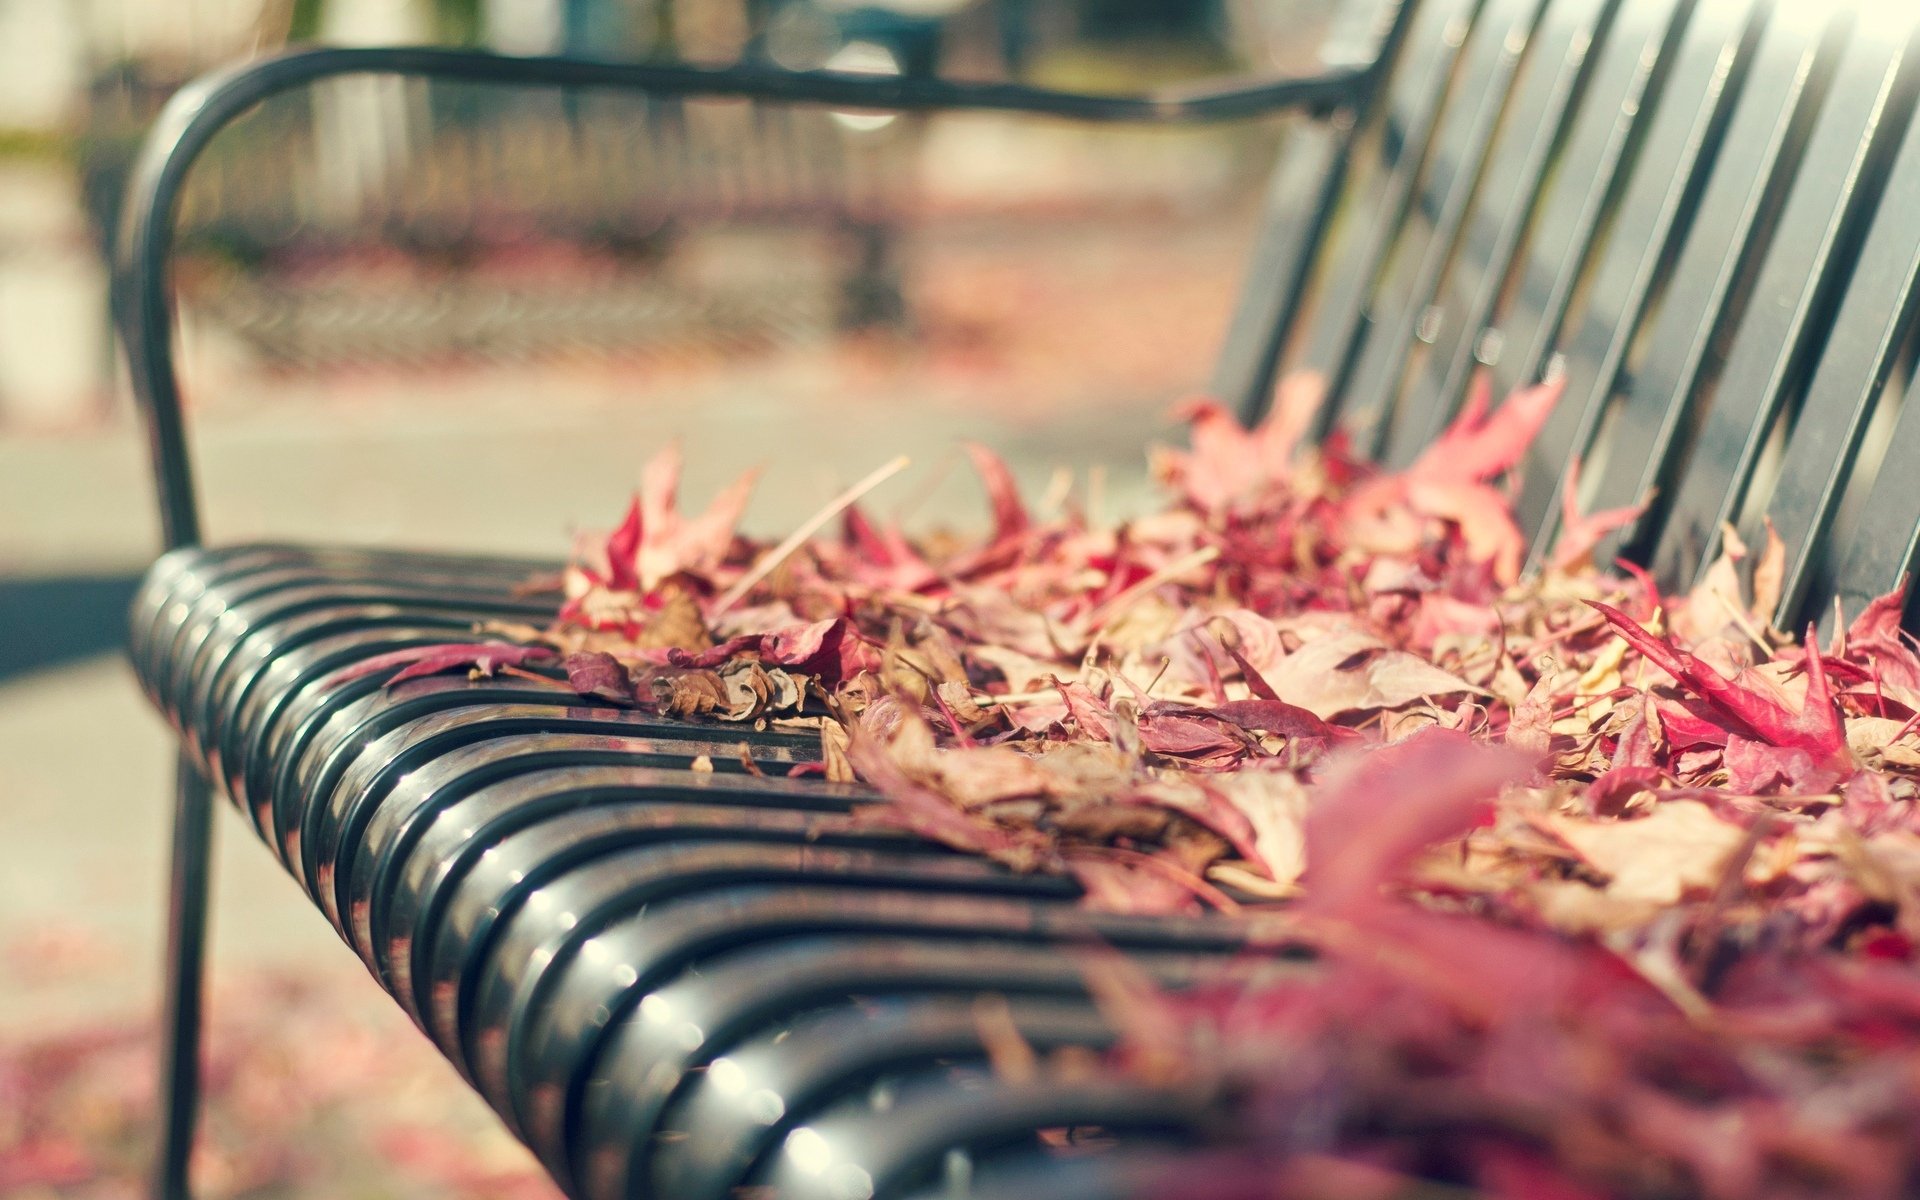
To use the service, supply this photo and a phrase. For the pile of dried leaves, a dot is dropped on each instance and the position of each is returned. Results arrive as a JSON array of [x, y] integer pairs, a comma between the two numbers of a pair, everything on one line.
[[1622, 884]]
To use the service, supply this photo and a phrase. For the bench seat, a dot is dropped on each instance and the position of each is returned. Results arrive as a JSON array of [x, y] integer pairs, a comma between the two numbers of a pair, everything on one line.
[[655, 974]]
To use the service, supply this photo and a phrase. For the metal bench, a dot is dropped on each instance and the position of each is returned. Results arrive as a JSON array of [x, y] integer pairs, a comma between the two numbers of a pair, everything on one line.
[[675, 984]]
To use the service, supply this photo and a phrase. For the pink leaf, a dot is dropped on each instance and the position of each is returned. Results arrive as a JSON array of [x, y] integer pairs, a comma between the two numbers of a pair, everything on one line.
[[1010, 518], [623, 552], [1478, 446], [1879, 622], [1581, 535], [1386, 806]]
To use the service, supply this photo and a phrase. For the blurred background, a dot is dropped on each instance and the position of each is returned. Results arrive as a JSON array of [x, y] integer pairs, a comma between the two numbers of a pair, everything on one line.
[[463, 316]]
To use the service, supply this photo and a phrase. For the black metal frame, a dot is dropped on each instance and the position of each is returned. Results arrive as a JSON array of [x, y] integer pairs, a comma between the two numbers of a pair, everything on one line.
[[145, 316]]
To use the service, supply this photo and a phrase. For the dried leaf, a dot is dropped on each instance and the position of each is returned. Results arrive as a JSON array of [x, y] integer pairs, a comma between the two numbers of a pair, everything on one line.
[[1353, 673], [600, 675], [1680, 846]]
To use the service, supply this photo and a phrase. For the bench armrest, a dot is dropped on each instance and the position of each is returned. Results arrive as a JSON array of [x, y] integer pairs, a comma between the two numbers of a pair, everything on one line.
[[142, 294]]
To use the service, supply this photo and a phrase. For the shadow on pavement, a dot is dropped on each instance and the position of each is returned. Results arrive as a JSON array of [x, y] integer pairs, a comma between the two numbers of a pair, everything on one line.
[[50, 621]]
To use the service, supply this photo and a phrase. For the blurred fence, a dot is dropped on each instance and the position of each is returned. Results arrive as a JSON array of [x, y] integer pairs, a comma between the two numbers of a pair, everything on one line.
[[386, 222]]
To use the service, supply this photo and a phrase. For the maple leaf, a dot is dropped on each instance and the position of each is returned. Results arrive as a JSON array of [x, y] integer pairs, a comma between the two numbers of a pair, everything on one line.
[[1010, 518], [654, 542], [1816, 728], [1229, 464], [1386, 806], [1450, 482], [1581, 534], [1480, 445]]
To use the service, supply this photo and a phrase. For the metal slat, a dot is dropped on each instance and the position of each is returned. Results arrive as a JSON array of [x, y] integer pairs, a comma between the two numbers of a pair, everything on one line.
[[407, 883], [1884, 550], [1875, 317], [1363, 232], [279, 706], [336, 818], [1807, 262], [1306, 190], [1586, 184], [1424, 239], [734, 1115], [1664, 179], [1308, 182], [903, 1147], [1471, 275], [1755, 167], [733, 999], [367, 872], [830, 945]]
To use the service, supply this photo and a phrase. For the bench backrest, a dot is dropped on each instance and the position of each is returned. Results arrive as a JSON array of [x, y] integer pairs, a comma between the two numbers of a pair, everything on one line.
[[1705, 215]]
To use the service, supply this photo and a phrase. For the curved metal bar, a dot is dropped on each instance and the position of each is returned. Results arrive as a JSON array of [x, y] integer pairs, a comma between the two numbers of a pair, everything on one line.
[[199, 111]]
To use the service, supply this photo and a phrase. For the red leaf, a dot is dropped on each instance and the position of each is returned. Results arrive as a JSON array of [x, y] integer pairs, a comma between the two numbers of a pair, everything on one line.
[[623, 552], [1010, 518], [1088, 711], [486, 657], [827, 649], [1185, 736], [1580, 535], [1256, 682], [1817, 728], [1754, 768]]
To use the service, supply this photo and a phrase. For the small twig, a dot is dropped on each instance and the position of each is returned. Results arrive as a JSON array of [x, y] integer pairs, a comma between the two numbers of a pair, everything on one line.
[[1059, 490], [941, 470], [798, 538], [1744, 623]]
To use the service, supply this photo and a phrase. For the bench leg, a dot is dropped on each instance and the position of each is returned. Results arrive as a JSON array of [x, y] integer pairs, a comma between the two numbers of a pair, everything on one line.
[[186, 957]]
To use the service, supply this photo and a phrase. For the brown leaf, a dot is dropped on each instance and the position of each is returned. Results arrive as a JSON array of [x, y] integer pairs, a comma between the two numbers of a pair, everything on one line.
[[1354, 673], [676, 625], [1680, 846], [690, 693]]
